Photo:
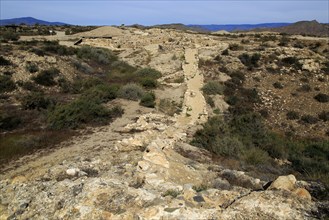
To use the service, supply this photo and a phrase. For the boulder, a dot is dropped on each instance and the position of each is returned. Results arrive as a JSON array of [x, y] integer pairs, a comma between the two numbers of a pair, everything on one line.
[[284, 182]]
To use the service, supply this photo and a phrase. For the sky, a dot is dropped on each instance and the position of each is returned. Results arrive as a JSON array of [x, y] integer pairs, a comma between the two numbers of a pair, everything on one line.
[[150, 12]]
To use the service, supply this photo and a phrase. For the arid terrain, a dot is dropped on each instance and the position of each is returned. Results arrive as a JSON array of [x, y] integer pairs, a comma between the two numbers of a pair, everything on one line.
[[156, 123]]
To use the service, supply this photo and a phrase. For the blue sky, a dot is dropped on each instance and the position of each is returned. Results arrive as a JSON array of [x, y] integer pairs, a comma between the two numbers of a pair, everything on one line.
[[149, 12]]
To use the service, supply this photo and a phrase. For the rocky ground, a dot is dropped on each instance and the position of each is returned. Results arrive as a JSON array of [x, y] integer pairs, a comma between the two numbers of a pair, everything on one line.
[[140, 166]]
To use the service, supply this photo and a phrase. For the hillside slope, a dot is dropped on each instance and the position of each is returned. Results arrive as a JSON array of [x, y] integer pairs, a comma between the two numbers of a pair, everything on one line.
[[312, 28]]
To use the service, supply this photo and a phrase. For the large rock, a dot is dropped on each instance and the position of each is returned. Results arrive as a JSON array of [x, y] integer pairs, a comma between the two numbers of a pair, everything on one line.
[[284, 182]]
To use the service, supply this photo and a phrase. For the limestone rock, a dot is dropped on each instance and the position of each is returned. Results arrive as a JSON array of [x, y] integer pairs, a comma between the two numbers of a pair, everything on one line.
[[303, 193], [284, 182], [72, 171]]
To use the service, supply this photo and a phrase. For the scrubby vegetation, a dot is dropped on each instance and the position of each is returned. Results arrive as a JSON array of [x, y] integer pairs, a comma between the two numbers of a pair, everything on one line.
[[70, 103], [36, 100], [131, 92], [80, 112], [6, 84], [148, 100], [250, 61], [4, 61], [32, 67], [242, 135], [46, 77], [321, 97], [213, 88]]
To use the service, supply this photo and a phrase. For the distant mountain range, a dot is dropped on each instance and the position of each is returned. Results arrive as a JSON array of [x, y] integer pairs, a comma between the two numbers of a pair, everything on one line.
[[237, 27], [28, 21]]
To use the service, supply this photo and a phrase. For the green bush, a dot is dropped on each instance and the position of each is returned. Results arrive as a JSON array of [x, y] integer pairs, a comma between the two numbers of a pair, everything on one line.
[[207, 136], [213, 88], [83, 67], [324, 116], [250, 61], [321, 97], [227, 146], [46, 77], [148, 100], [8, 123], [291, 62], [36, 100], [235, 47], [28, 85], [101, 93], [309, 119], [31, 67], [79, 112], [148, 73], [98, 55], [37, 51], [6, 84], [278, 85], [131, 92], [148, 83], [210, 101], [304, 88], [256, 156], [122, 73], [292, 115], [55, 48], [225, 52], [9, 35], [4, 61]]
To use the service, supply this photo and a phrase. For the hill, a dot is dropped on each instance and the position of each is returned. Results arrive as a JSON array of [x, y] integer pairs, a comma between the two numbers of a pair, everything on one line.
[[163, 124], [305, 28], [236, 27], [27, 21]]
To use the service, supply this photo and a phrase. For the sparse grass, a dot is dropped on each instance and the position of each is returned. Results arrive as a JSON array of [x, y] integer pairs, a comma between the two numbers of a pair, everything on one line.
[[13, 145]]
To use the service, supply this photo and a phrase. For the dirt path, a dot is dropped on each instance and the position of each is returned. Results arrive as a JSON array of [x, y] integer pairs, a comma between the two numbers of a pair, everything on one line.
[[194, 102]]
